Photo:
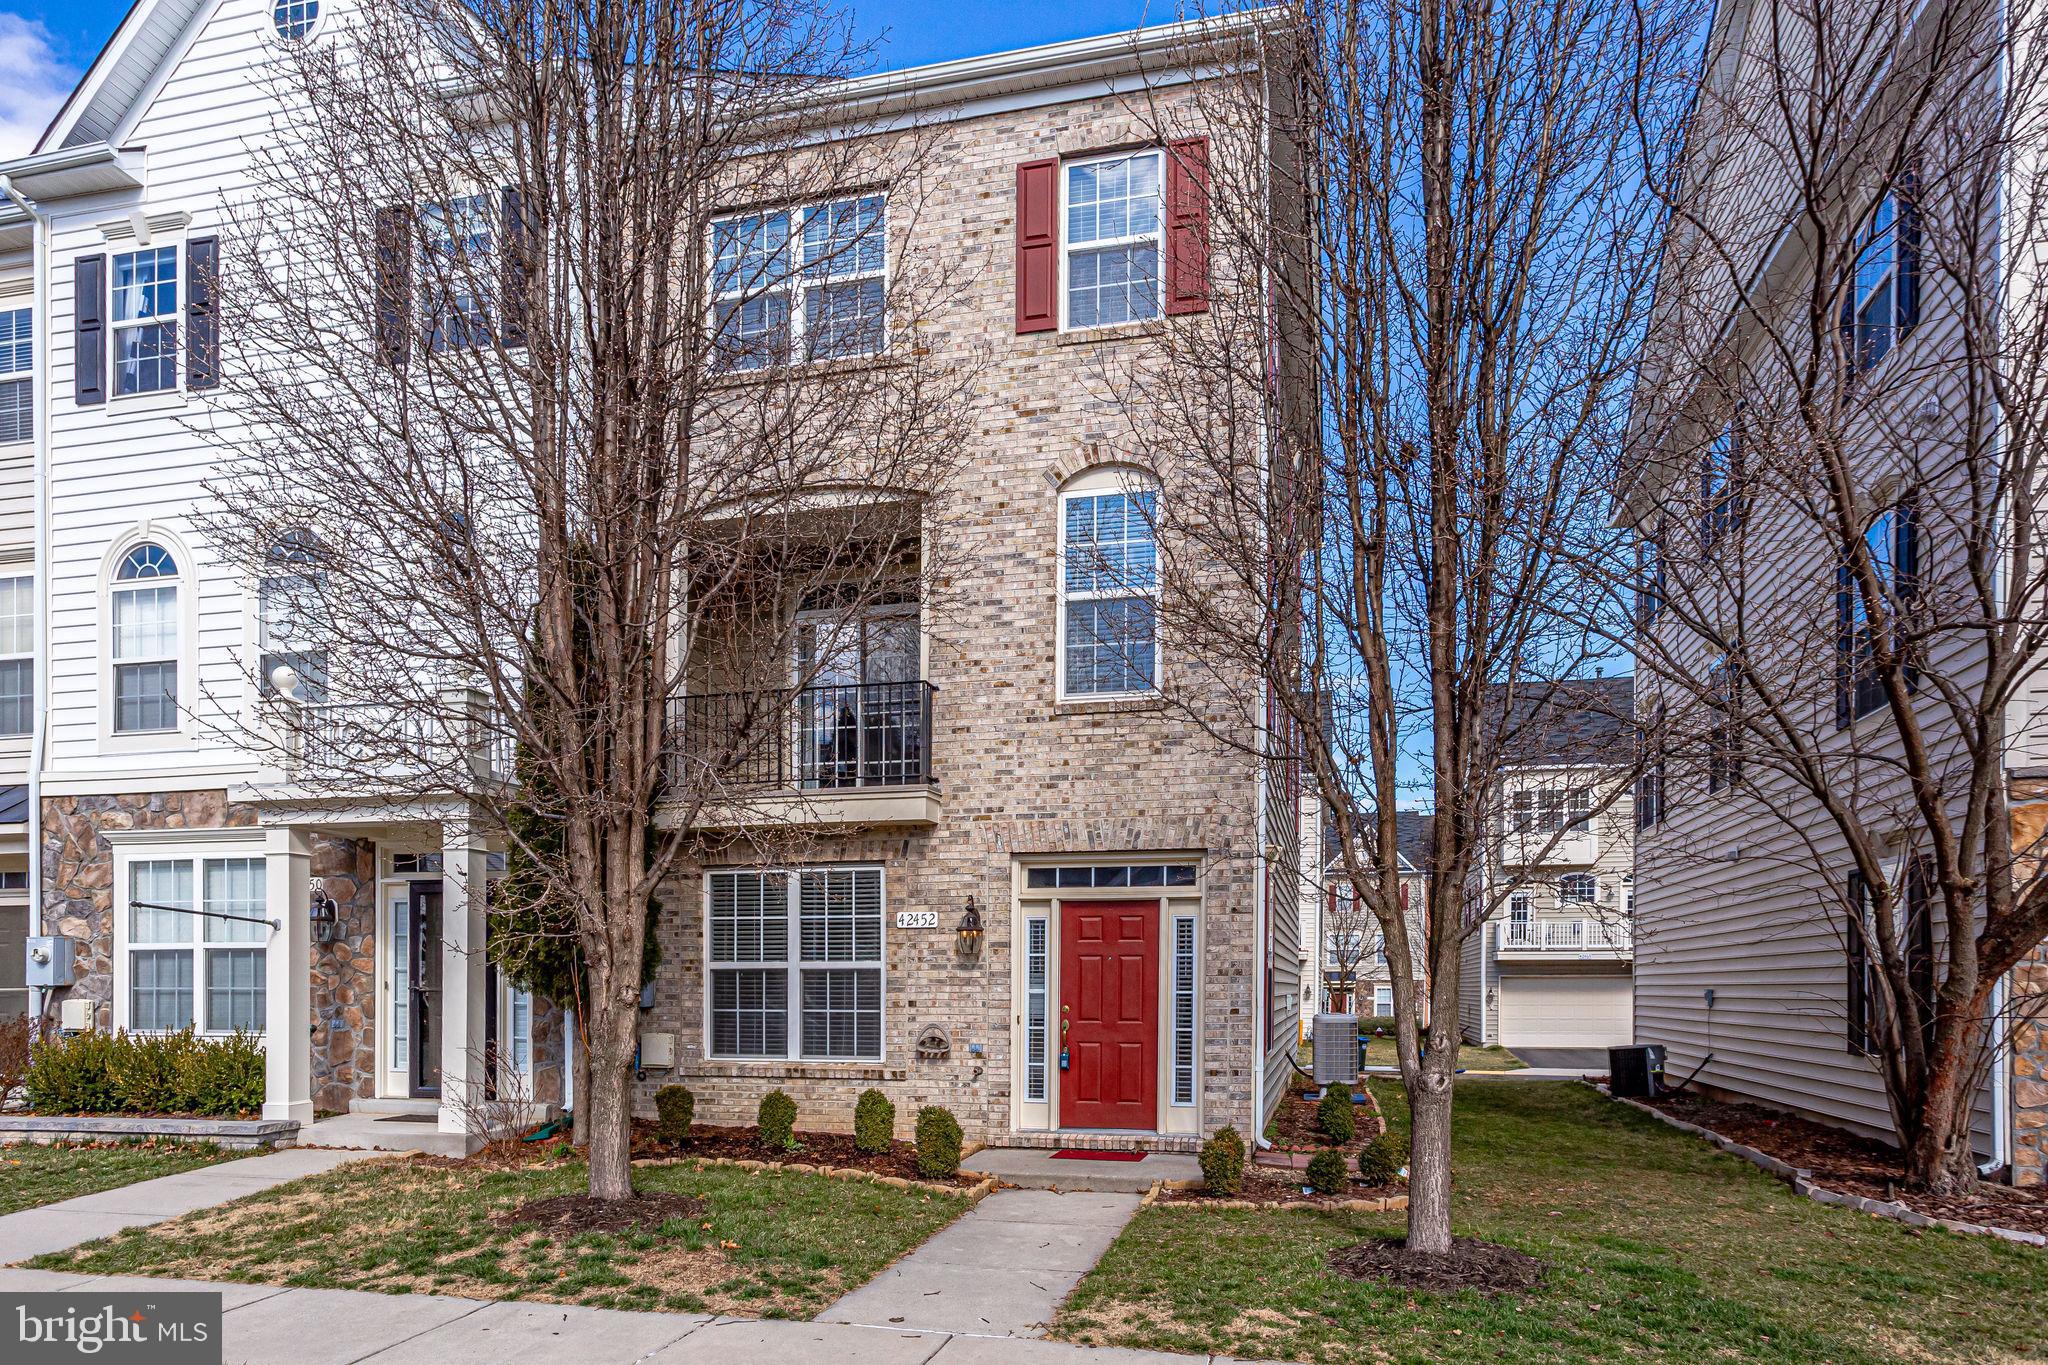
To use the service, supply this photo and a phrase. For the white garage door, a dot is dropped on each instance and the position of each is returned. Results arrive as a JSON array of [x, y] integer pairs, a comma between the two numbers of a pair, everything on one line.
[[1566, 1011]]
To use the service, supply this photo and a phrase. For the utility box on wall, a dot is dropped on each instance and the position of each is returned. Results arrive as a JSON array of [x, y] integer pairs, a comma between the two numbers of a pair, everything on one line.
[[49, 960], [75, 1016], [657, 1051]]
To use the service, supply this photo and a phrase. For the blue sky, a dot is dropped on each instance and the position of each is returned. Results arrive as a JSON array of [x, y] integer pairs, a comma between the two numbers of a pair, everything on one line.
[[44, 44]]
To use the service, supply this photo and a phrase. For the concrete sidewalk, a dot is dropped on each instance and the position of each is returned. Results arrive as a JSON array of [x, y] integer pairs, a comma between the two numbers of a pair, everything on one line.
[[54, 1227], [1002, 1270], [271, 1325]]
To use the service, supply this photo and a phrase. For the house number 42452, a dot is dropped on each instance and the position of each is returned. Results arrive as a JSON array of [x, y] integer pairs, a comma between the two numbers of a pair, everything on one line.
[[917, 919]]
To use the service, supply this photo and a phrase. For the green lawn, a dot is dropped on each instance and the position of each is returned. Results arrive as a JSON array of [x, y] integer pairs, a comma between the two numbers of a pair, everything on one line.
[[769, 1244], [32, 1176], [1658, 1246]]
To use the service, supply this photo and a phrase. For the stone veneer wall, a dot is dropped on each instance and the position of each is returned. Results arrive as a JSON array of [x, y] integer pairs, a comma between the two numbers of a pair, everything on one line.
[[345, 975], [78, 897], [2030, 1076]]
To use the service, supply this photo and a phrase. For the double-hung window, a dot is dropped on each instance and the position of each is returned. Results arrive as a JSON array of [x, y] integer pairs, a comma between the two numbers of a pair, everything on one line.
[[17, 377], [1113, 239], [144, 605], [196, 970], [1883, 299], [290, 603], [796, 963], [145, 320], [1720, 468], [17, 654], [1577, 888], [801, 284], [1892, 544], [458, 273], [1109, 585]]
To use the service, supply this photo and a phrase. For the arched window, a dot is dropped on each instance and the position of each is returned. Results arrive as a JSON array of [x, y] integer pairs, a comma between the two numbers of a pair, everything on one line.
[[145, 641], [290, 616], [1109, 585]]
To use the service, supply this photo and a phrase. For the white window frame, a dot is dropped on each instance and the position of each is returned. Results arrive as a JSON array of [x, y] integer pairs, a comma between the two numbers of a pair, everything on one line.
[[1184, 1003], [795, 287], [1377, 993], [794, 964], [475, 282], [196, 849], [280, 9], [183, 583], [175, 319], [1068, 246], [1094, 484], [19, 592], [1578, 881], [18, 364]]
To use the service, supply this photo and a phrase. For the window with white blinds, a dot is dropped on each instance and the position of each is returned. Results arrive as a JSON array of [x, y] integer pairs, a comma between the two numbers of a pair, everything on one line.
[[1184, 960], [1035, 1011], [796, 963]]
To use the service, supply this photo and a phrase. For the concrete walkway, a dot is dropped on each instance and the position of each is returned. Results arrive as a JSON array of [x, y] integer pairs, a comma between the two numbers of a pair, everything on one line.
[[1002, 1270], [56, 1226], [1035, 1168], [266, 1324]]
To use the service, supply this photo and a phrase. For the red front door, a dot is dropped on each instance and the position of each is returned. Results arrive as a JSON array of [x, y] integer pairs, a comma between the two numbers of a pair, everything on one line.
[[1109, 1014]]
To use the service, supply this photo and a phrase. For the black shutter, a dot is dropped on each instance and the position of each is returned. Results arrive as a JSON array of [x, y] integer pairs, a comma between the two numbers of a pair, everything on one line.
[[1919, 942], [394, 285], [89, 330], [515, 267], [1845, 647], [1908, 200], [1906, 574], [1857, 1000], [202, 313]]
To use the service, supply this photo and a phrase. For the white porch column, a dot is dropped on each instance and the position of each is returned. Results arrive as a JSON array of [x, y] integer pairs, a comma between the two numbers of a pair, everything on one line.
[[288, 978], [462, 968]]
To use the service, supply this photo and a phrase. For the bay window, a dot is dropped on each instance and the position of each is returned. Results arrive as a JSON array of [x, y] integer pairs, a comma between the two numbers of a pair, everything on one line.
[[795, 963]]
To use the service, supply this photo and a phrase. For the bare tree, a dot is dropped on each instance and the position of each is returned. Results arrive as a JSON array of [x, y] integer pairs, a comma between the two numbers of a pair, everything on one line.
[[562, 377], [1839, 487], [1389, 479]]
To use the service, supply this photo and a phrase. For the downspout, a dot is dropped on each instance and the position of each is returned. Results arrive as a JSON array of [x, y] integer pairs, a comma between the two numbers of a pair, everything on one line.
[[2000, 1042], [39, 376]]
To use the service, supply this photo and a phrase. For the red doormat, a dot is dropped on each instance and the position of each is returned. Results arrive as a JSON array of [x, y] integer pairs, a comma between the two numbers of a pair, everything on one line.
[[1075, 1154]]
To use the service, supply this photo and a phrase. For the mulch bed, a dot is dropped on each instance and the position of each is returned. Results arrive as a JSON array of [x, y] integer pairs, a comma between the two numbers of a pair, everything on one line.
[[813, 1149], [1854, 1164], [571, 1214], [1469, 1264], [1294, 1123]]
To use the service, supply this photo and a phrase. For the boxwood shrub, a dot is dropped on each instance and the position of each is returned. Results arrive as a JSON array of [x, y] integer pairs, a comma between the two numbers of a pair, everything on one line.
[[674, 1107], [938, 1143], [147, 1073], [874, 1122], [1223, 1162], [777, 1121]]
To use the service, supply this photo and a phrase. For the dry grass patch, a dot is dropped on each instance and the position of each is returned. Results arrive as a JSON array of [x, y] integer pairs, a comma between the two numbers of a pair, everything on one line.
[[767, 1243]]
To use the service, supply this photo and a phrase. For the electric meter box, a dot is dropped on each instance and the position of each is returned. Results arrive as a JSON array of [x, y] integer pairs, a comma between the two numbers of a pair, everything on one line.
[[49, 960]]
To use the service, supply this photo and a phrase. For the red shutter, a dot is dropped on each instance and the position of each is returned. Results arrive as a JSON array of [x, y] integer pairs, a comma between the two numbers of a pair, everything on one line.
[[1038, 246], [1187, 226]]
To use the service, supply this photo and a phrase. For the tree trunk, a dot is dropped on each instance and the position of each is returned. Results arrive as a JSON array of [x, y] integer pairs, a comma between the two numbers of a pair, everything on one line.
[[610, 1097], [1940, 1159], [1429, 1159]]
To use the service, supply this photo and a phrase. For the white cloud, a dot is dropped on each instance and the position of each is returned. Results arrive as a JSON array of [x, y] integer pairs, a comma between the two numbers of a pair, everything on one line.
[[33, 83]]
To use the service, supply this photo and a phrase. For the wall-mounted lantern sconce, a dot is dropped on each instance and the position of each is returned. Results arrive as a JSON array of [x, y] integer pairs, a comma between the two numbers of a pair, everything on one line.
[[325, 914], [968, 935]]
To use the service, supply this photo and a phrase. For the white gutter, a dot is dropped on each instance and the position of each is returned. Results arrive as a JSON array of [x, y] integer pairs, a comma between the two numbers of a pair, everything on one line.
[[40, 377]]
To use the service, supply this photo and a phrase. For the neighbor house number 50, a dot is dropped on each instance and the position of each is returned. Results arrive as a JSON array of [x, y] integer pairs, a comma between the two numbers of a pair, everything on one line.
[[917, 919]]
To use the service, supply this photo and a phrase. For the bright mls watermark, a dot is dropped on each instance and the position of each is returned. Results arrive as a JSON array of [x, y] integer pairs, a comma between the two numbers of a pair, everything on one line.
[[114, 1329]]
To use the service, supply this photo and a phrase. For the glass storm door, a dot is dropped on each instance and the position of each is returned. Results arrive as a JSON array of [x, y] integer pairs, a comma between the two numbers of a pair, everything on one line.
[[423, 944]]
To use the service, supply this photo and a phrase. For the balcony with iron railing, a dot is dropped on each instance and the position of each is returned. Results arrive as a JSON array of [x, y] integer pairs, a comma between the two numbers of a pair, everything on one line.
[[1560, 936], [839, 753]]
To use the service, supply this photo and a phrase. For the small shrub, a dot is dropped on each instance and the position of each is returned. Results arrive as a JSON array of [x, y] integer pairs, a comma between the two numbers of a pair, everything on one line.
[[152, 1073], [1380, 1161], [1223, 1162], [1327, 1173], [938, 1143], [777, 1121], [73, 1075], [874, 1122], [223, 1077], [675, 1106], [1334, 1116]]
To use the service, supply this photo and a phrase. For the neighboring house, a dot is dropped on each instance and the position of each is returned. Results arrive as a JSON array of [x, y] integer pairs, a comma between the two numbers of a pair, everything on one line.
[[1138, 980], [1353, 970], [1552, 966], [18, 691]]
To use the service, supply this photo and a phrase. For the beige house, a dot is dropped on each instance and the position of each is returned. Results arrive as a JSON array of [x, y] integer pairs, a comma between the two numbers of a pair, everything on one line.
[[1551, 967]]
